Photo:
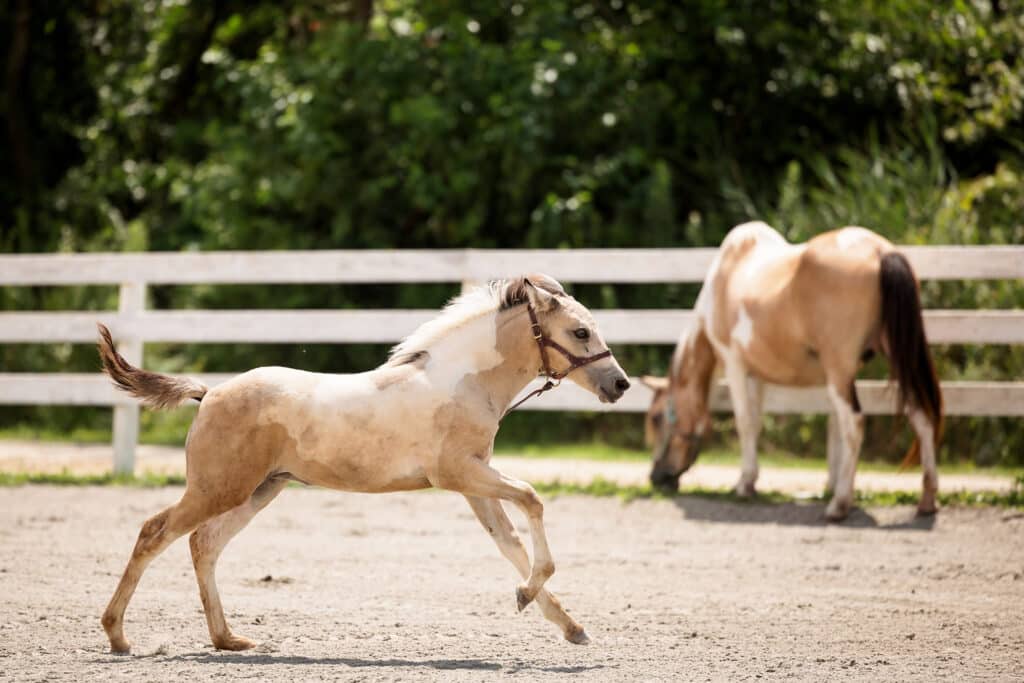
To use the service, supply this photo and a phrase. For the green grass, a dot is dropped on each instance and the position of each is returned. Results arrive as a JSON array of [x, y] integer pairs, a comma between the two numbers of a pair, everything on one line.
[[726, 456], [598, 487]]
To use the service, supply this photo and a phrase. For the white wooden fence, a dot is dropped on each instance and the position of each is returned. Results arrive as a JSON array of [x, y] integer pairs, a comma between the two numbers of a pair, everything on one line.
[[133, 325]]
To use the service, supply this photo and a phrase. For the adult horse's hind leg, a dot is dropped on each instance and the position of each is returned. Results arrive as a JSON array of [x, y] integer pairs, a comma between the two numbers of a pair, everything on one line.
[[473, 477], [851, 430], [926, 442], [156, 534], [208, 541], [499, 526]]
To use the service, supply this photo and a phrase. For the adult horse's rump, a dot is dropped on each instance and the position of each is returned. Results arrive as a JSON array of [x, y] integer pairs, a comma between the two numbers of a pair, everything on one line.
[[798, 315]]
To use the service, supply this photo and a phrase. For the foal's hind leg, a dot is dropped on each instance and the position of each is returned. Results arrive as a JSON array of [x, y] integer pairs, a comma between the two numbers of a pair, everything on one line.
[[156, 534], [499, 526], [473, 477], [208, 541]]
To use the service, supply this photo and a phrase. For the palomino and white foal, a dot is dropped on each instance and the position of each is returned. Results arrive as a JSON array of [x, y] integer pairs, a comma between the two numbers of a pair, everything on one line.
[[798, 315], [427, 417]]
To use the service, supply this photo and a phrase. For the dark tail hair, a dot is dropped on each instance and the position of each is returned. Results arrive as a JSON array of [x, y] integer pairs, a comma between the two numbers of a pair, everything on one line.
[[910, 360], [153, 389]]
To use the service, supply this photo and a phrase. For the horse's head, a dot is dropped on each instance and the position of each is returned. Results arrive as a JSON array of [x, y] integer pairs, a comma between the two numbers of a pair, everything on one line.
[[679, 416], [571, 345]]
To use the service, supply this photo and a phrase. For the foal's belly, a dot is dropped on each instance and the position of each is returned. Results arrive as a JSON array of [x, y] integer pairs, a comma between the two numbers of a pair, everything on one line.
[[365, 460]]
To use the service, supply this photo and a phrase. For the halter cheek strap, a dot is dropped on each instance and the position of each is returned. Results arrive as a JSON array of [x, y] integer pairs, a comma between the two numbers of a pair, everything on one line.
[[543, 342]]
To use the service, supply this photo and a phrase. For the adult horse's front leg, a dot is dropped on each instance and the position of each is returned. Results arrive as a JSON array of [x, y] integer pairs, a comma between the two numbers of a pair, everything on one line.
[[747, 398], [499, 526], [471, 476]]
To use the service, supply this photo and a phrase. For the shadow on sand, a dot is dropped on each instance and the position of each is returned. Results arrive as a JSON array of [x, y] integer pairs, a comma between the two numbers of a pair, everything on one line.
[[795, 514], [258, 658]]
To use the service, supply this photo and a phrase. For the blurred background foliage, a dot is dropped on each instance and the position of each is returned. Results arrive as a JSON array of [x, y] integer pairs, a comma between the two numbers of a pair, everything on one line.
[[316, 124]]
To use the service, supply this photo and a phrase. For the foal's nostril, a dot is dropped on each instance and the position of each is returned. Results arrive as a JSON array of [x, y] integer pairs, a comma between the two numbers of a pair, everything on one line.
[[622, 384]]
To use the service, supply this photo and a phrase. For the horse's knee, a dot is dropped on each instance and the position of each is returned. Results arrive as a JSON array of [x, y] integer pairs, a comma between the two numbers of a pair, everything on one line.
[[532, 503]]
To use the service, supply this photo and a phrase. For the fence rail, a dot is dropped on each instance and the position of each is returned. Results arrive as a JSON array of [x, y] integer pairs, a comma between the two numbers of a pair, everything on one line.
[[133, 325]]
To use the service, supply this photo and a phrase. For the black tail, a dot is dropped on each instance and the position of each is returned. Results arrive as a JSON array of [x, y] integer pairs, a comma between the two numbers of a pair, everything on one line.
[[910, 360]]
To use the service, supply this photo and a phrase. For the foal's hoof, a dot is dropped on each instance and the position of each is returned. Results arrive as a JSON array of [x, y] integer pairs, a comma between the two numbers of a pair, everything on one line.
[[577, 636], [523, 597], [120, 646], [927, 510], [234, 643]]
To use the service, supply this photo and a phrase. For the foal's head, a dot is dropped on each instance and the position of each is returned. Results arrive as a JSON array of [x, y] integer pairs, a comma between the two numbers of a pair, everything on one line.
[[568, 324], [679, 416]]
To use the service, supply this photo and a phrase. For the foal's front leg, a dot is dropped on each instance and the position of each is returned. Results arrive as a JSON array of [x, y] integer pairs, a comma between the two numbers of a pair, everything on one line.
[[499, 526], [471, 476]]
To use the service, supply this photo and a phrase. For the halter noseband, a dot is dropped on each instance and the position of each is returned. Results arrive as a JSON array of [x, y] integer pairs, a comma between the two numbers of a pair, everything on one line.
[[543, 342]]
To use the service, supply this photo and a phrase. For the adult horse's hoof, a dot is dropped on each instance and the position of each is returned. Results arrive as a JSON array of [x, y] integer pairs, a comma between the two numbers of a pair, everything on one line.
[[837, 511], [744, 490], [523, 597], [927, 510], [577, 636], [120, 647], [234, 643]]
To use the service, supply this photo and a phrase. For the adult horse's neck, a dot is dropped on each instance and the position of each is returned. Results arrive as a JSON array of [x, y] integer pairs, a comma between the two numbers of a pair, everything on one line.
[[693, 366]]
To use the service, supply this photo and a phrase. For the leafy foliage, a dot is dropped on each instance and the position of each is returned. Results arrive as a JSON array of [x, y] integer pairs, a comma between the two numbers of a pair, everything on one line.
[[170, 125]]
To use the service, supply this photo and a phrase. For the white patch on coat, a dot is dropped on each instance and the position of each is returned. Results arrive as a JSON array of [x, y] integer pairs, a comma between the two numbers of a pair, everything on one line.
[[848, 238], [743, 330]]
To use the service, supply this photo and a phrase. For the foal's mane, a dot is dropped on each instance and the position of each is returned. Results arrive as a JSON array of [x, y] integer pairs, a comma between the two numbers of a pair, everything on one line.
[[493, 297]]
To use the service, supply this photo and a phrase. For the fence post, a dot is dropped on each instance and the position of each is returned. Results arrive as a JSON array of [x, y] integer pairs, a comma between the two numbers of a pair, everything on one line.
[[131, 301]]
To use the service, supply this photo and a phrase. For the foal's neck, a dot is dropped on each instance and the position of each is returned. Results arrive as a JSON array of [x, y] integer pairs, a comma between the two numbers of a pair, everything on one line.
[[520, 362]]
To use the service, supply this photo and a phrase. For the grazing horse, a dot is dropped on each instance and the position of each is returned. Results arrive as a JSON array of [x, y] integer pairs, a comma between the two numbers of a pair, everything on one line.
[[798, 315], [427, 417]]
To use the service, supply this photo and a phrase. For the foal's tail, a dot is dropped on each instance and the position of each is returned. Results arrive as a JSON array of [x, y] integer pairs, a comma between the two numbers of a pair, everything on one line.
[[153, 389], [910, 360]]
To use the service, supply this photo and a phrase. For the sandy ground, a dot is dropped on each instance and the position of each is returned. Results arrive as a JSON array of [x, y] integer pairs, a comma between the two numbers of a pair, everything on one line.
[[35, 456], [408, 587]]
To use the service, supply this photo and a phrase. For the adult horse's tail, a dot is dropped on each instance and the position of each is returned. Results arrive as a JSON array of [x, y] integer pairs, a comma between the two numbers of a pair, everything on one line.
[[910, 360], [153, 389]]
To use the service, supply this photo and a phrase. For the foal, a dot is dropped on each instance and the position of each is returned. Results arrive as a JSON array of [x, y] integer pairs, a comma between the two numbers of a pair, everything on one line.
[[427, 417], [798, 315]]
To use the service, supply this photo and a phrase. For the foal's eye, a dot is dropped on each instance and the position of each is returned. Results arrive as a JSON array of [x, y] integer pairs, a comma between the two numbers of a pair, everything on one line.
[[582, 333]]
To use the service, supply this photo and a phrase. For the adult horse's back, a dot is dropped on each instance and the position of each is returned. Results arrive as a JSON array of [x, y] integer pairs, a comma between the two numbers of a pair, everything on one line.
[[798, 315]]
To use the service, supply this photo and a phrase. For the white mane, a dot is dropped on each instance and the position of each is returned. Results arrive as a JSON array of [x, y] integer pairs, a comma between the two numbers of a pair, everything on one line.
[[459, 311]]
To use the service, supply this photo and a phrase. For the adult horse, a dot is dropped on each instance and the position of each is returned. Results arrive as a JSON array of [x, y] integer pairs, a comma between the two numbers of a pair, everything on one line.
[[798, 315], [427, 417]]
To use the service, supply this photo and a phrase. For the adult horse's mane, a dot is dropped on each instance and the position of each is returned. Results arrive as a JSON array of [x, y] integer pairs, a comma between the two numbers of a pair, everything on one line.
[[497, 295]]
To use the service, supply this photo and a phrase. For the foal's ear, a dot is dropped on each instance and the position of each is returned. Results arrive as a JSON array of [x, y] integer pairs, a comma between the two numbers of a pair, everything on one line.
[[541, 298], [654, 383]]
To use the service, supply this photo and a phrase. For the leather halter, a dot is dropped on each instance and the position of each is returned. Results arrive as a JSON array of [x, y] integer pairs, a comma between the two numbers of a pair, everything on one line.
[[543, 342]]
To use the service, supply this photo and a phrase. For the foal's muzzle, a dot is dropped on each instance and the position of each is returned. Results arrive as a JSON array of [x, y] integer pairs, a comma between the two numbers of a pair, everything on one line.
[[612, 391]]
